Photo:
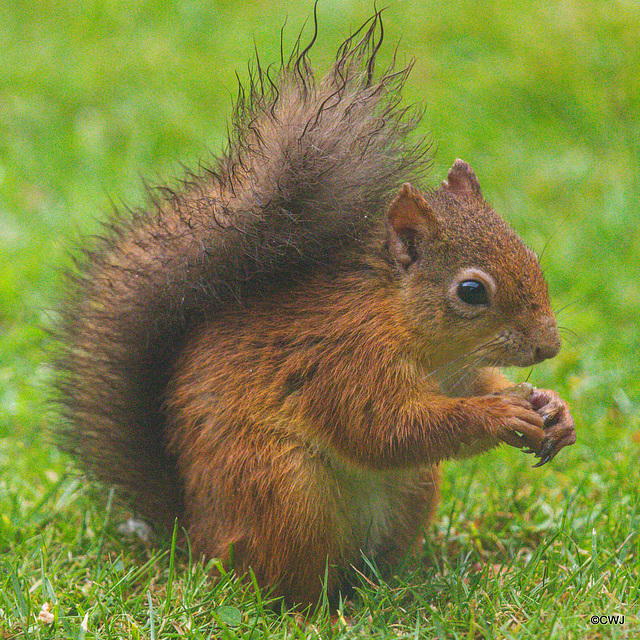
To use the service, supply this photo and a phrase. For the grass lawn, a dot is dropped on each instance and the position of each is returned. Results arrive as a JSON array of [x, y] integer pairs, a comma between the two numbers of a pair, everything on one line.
[[542, 98]]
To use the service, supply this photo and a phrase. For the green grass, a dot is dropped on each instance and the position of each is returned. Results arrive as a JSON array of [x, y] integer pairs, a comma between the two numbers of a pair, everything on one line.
[[542, 98]]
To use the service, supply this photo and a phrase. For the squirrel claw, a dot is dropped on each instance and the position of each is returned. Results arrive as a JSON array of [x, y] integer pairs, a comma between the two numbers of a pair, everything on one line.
[[543, 460], [547, 447], [547, 452]]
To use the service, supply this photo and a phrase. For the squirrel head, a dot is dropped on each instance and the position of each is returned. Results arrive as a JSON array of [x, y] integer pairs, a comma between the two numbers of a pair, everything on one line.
[[468, 281]]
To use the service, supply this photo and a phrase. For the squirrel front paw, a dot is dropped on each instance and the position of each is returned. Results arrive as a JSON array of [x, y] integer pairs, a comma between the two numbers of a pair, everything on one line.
[[515, 422], [522, 427], [559, 426]]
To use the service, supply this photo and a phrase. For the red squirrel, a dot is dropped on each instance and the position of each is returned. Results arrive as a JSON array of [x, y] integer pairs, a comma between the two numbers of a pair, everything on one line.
[[280, 353]]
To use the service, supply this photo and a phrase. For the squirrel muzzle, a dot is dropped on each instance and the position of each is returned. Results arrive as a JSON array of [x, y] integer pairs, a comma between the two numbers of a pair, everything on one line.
[[548, 340]]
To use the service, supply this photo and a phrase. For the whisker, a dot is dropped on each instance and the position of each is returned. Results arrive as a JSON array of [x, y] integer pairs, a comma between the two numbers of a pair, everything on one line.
[[463, 357], [465, 371], [570, 332], [467, 363], [546, 244], [466, 374], [572, 337], [570, 304], [459, 373]]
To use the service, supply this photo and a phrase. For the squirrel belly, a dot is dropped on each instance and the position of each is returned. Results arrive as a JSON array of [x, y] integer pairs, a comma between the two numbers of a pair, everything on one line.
[[281, 353]]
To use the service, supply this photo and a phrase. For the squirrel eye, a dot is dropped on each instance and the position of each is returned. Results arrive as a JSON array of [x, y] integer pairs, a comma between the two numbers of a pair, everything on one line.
[[473, 293]]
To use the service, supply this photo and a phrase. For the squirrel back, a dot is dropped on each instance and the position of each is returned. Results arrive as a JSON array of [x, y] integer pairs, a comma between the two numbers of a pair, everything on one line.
[[309, 171]]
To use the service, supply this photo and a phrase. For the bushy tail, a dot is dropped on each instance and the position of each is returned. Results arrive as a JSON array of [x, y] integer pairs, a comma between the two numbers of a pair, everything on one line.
[[310, 166]]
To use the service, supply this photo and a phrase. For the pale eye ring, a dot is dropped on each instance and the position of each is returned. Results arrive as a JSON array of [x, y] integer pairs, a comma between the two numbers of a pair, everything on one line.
[[472, 292]]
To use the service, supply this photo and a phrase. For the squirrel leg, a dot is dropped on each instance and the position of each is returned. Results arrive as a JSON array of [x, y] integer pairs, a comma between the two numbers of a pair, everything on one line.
[[273, 505], [266, 503], [416, 500]]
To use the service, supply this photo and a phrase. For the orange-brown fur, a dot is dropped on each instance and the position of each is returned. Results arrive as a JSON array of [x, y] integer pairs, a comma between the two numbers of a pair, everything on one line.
[[276, 407], [278, 354]]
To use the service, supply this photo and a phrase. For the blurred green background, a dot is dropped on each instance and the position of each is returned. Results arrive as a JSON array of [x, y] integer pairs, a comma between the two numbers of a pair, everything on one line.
[[541, 97]]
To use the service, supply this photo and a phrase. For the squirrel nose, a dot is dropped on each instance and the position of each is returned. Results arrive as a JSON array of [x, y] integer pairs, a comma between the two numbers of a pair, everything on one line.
[[545, 352], [550, 345]]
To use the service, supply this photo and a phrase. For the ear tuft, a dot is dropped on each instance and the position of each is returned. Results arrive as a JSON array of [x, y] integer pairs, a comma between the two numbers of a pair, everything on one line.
[[462, 181]]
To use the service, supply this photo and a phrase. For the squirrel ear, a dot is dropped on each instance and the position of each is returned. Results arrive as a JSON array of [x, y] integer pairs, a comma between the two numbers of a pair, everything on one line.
[[410, 217], [462, 181]]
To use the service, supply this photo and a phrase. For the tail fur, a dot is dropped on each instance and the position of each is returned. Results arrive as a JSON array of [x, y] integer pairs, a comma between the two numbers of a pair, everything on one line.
[[310, 165]]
